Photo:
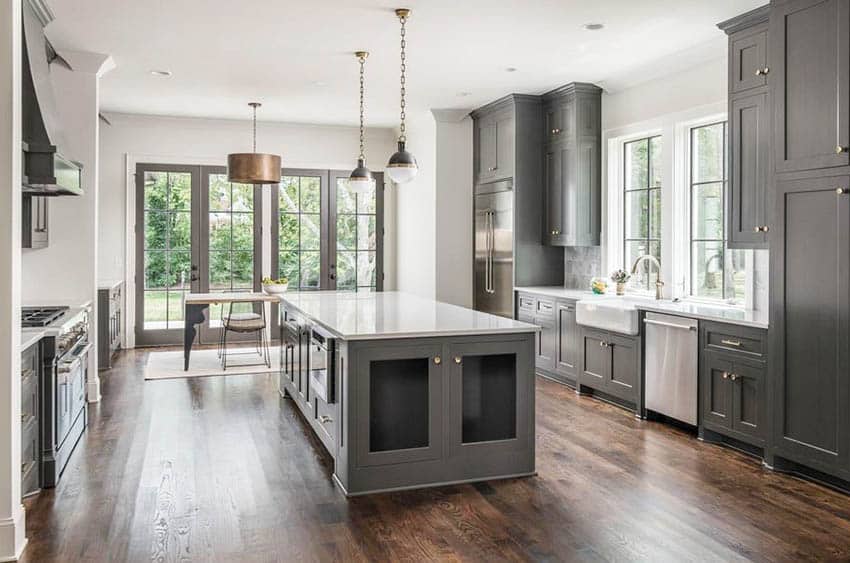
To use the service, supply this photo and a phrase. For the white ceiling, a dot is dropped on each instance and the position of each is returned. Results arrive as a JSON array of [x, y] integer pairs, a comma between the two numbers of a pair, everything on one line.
[[296, 57]]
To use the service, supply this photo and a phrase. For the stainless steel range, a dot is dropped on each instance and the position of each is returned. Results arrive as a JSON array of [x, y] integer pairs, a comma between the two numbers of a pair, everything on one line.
[[65, 350]]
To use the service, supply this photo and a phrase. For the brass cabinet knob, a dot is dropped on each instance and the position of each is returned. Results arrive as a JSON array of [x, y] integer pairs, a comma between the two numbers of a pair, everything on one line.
[[841, 149], [762, 229], [325, 419], [756, 229], [438, 360], [841, 191], [556, 131], [733, 376], [765, 228], [457, 360], [762, 71], [725, 375], [556, 232]]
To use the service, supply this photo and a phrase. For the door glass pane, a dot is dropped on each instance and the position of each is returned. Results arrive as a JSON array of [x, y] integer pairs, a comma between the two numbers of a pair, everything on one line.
[[300, 231], [346, 270], [311, 232], [167, 247], [311, 194], [310, 270], [346, 232], [356, 238], [365, 269], [231, 232], [289, 194], [288, 267]]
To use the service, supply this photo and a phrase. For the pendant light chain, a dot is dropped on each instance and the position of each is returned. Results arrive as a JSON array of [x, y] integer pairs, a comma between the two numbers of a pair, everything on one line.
[[402, 138], [362, 91], [254, 105]]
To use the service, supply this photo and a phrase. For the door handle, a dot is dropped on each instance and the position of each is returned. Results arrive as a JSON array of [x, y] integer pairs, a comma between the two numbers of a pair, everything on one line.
[[668, 325], [193, 278]]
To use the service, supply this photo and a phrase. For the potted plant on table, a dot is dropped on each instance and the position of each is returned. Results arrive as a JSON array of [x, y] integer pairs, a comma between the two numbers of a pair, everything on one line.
[[275, 286], [620, 277]]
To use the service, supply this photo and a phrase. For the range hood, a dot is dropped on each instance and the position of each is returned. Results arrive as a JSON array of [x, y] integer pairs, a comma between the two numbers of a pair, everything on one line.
[[46, 172]]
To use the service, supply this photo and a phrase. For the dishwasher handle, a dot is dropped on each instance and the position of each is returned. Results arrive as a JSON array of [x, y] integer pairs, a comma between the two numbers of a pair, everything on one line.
[[669, 325]]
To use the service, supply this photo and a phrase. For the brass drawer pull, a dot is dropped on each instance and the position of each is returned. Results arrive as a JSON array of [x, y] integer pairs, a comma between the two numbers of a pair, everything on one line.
[[736, 343]]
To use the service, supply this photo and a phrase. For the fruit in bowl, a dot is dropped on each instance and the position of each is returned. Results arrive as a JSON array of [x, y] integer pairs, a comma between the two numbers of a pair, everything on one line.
[[275, 286]]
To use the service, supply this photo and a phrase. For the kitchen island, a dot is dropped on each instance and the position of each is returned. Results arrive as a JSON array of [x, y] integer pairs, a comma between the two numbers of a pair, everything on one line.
[[406, 392]]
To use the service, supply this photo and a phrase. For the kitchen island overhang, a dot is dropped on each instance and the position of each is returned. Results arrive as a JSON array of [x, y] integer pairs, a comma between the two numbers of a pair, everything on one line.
[[406, 392]]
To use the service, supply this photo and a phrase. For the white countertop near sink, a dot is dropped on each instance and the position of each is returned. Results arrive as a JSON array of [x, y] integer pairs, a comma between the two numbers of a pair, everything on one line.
[[690, 309], [391, 314]]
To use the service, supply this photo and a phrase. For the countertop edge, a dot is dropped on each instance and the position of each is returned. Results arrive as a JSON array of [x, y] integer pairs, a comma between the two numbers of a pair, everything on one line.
[[30, 337]]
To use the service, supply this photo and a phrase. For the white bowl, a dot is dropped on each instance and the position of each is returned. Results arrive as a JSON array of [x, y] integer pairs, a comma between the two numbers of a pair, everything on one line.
[[275, 288]]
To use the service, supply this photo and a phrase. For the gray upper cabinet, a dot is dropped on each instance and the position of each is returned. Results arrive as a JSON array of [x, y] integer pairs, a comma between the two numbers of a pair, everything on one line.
[[750, 133], [810, 52], [810, 323], [572, 165], [494, 139]]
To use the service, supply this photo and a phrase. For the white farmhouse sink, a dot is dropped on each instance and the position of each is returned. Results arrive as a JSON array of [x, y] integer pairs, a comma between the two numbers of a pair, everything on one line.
[[617, 315]]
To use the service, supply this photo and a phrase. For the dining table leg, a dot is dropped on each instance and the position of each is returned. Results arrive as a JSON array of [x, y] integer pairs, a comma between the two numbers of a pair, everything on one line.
[[194, 316]]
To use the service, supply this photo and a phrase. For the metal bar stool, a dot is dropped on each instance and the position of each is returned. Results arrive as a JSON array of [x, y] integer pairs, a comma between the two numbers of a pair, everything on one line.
[[245, 323]]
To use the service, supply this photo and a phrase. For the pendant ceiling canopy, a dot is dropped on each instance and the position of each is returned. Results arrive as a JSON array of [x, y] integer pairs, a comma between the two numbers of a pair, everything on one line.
[[402, 166], [253, 167], [361, 180]]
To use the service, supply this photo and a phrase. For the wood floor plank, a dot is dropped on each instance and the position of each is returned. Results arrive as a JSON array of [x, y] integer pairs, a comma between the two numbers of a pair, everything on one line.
[[223, 469]]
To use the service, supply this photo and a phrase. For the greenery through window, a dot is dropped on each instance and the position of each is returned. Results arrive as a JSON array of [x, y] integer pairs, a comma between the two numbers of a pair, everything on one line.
[[300, 235], [356, 242], [167, 247], [715, 272], [231, 242], [642, 205]]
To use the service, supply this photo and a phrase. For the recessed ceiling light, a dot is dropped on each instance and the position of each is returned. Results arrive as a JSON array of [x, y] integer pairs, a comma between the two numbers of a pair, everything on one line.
[[464, 94], [510, 69], [593, 26], [165, 73]]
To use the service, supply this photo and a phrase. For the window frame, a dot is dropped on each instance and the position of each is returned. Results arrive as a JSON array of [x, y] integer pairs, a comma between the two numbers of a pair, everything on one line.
[[648, 189]]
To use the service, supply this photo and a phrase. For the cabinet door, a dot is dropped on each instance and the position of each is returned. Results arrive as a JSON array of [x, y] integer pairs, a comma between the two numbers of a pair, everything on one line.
[[554, 123], [748, 131], [625, 368], [546, 343], [748, 400], [399, 398], [596, 359], [716, 390], [504, 167], [490, 393], [811, 43], [554, 180], [567, 340], [487, 147], [810, 323], [748, 59], [582, 195]]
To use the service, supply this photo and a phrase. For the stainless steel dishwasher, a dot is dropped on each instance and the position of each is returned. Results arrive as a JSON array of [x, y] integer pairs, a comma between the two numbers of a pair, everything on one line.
[[671, 366]]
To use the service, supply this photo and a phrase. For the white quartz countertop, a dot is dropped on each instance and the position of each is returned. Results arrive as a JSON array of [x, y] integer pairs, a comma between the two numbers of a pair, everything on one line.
[[30, 336], [690, 309], [391, 314]]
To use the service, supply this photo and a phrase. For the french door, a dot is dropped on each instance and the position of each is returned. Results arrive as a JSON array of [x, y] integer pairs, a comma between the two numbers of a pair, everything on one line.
[[195, 232]]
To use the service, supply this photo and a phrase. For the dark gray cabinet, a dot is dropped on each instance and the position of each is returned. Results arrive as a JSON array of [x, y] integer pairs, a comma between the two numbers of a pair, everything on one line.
[[494, 139], [34, 221], [566, 357], [810, 323], [611, 364], [572, 165], [810, 78], [30, 419], [109, 323], [556, 345], [750, 131]]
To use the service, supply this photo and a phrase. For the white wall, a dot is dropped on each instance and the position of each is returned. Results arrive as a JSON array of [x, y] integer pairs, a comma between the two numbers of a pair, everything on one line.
[[453, 215], [416, 212], [12, 526]]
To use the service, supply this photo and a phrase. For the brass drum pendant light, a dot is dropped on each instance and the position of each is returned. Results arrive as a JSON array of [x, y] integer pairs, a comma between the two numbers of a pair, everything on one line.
[[253, 167], [402, 166], [361, 180]]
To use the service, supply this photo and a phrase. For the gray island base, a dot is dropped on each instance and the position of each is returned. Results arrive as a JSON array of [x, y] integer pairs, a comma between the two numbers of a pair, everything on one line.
[[406, 392]]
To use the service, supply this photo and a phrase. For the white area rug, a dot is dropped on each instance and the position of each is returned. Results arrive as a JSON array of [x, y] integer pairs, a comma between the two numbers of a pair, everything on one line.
[[204, 363]]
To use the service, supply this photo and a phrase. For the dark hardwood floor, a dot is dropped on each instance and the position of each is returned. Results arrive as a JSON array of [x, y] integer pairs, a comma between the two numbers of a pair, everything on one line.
[[223, 469]]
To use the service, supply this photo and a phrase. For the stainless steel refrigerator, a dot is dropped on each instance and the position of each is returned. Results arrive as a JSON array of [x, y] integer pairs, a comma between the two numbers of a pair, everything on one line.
[[494, 248]]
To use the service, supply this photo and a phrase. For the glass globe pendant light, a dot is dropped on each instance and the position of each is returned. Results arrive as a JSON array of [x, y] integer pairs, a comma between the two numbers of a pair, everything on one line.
[[253, 167], [361, 180], [402, 166]]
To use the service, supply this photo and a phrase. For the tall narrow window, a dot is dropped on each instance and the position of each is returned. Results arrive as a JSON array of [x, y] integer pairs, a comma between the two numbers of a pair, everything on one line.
[[300, 230], [642, 201], [356, 240], [715, 272], [231, 235]]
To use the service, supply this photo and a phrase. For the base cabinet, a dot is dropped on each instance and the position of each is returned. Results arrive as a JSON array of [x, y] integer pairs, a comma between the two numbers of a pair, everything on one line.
[[611, 365], [109, 323], [30, 420], [734, 398], [556, 346]]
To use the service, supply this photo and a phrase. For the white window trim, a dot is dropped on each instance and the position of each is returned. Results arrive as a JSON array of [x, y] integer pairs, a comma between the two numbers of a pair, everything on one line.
[[674, 129]]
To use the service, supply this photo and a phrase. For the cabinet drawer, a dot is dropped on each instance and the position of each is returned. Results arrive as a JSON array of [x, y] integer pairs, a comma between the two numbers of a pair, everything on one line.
[[746, 341], [544, 308], [525, 303], [326, 424]]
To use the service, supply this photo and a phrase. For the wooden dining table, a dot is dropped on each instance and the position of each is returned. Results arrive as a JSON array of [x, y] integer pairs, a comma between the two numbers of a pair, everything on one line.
[[195, 306]]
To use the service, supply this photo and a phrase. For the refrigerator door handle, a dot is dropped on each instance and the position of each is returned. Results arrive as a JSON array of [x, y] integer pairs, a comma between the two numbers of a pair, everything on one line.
[[492, 234], [487, 251]]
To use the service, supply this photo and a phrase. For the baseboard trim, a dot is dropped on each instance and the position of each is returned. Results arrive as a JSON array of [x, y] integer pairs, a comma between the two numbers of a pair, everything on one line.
[[12, 539]]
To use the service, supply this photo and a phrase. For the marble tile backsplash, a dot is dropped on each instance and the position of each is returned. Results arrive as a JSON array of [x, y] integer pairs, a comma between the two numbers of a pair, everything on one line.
[[581, 264]]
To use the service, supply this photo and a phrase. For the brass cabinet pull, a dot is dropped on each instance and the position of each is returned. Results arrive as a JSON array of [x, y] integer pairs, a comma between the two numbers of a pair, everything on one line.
[[438, 360], [731, 342], [324, 419], [457, 360]]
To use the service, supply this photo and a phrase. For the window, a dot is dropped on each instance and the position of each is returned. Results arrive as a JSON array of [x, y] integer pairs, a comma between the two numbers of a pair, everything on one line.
[[715, 272], [642, 206], [300, 230], [356, 240], [231, 235]]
